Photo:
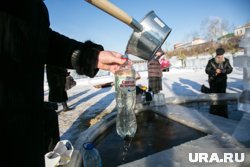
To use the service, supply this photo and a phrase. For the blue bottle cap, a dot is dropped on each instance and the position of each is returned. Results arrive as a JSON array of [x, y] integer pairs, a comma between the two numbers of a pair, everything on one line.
[[88, 146]]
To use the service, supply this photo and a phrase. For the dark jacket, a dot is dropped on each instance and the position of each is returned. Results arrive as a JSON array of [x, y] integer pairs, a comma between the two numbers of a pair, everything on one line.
[[211, 67], [56, 77], [26, 45], [70, 82], [218, 82]]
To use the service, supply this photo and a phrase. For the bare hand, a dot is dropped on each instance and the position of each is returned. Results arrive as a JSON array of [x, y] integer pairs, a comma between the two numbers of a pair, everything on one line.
[[218, 71], [159, 53], [110, 61]]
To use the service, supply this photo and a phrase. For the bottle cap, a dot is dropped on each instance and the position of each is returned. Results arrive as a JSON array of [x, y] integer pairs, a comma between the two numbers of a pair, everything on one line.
[[124, 58], [88, 146]]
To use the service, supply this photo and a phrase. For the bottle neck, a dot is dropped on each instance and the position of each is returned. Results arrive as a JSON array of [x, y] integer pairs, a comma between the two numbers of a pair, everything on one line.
[[125, 57], [128, 63]]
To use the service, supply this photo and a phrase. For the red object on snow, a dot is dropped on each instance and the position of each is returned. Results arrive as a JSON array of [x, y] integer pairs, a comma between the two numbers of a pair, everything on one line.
[[164, 63]]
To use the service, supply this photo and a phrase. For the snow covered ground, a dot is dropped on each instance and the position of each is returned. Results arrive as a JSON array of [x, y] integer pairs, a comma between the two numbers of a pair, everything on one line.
[[92, 101]]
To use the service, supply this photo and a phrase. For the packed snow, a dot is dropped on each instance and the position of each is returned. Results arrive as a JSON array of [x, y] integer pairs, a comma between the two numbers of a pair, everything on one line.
[[84, 97]]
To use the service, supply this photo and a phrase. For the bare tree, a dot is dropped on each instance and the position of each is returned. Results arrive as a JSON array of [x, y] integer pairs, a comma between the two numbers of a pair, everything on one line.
[[214, 27], [166, 46], [192, 35], [232, 45]]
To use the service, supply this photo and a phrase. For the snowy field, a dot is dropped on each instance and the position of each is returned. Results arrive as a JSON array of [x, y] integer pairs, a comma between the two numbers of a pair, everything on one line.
[[84, 98]]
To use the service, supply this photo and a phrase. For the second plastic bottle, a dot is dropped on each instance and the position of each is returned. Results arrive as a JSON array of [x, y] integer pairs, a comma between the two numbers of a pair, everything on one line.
[[91, 156]]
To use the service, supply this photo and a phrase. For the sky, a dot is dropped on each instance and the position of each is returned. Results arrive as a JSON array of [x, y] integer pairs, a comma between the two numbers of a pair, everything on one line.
[[82, 21]]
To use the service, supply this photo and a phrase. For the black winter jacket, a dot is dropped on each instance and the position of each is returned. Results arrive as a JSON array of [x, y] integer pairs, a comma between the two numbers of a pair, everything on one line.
[[211, 67], [26, 45]]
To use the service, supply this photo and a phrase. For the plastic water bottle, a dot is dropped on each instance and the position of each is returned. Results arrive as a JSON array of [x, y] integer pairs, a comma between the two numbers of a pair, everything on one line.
[[91, 156], [125, 100]]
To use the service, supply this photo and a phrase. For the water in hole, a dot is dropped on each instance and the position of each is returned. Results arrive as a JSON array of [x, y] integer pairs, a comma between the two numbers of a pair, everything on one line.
[[154, 134]]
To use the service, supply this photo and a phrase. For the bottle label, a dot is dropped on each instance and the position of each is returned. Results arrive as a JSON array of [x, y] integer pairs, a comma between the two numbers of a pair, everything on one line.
[[126, 84]]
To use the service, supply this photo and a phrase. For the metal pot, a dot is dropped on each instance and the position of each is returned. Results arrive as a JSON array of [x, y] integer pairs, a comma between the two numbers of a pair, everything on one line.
[[148, 36], [144, 44]]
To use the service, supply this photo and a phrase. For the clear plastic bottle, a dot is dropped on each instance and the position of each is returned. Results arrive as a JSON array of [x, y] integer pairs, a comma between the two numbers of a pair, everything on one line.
[[125, 100], [91, 156]]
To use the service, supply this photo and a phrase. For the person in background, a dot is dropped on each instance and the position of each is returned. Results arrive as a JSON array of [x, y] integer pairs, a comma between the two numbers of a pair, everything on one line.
[[217, 69], [56, 77], [165, 64], [70, 82], [155, 73], [27, 43]]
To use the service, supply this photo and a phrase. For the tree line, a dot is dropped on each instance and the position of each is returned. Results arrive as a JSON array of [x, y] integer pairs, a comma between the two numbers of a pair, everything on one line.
[[216, 32]]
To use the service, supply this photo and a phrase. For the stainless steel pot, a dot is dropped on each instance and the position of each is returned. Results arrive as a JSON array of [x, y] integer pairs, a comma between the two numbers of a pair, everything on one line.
[[145, 43], [148, 36]]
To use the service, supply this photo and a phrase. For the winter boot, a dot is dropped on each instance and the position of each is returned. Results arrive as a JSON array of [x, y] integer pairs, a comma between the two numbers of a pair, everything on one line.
[[205, 89], [65, 107]]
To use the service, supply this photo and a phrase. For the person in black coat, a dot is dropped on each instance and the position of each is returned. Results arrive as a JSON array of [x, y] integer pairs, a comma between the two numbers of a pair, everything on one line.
[[27, 43], [70, 82], [217, 69], [56, 77]]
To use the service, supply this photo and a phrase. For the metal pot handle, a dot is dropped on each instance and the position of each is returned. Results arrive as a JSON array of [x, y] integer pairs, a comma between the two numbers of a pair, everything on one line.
[[116, 12]]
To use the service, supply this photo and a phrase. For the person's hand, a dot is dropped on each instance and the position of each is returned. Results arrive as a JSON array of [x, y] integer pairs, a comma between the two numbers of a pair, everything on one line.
[[110, 61], [159, 53], [218, 71], [137, 76]]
